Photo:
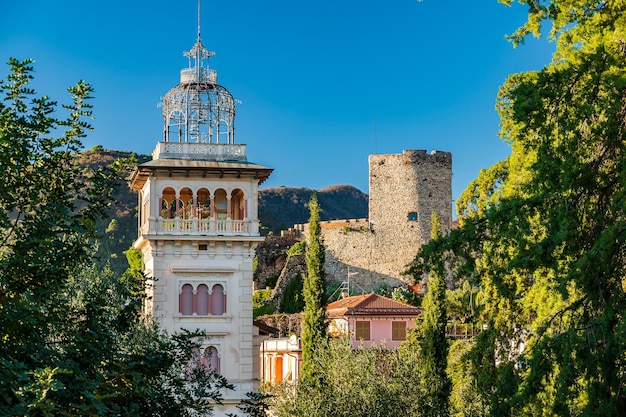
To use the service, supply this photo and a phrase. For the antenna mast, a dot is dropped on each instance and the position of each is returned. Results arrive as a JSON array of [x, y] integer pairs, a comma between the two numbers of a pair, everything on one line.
[[198, 20]]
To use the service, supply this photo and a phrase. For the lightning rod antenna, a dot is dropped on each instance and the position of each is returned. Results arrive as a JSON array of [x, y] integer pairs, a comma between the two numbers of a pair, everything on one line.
[[198, 20]]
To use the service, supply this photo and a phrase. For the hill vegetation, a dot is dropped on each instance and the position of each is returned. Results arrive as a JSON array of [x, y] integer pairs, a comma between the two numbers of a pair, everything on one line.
[[279, 208]]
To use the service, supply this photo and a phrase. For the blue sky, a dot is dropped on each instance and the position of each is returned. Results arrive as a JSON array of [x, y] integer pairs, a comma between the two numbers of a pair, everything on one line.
[[323, 84]]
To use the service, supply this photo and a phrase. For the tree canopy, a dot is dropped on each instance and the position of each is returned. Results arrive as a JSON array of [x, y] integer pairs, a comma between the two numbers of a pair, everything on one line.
[[544, 232], [72, 341], [314, 335]]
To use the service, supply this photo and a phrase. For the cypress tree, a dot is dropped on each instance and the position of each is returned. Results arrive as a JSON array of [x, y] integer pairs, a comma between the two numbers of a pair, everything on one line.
[[314, 338], [436, 385]]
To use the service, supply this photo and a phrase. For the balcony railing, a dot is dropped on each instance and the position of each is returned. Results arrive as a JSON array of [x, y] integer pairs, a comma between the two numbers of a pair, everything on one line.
[[200, 151], [195, 226]]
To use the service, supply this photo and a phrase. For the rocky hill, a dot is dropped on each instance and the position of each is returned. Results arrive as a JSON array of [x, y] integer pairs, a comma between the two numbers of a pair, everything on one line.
[[279, 208]]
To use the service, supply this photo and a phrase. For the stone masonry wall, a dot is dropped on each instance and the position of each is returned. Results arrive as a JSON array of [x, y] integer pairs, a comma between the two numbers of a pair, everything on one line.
[[404, 190]]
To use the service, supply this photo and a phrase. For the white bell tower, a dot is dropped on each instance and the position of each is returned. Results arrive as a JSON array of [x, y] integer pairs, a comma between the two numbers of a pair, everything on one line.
[[198, 223]]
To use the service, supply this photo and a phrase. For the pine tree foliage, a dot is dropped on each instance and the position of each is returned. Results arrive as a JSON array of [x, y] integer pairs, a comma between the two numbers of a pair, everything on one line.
[[314, 337]]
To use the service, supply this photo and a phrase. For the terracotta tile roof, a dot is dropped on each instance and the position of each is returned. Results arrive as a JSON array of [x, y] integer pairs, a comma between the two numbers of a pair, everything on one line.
[[370, 305]]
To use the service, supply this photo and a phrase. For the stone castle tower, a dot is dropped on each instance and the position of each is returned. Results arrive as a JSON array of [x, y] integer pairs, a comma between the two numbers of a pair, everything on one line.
[[198, 224], [404, 190]]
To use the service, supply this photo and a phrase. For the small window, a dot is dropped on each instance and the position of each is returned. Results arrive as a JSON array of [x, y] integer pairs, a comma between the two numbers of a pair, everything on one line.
[[202, 247], [362, 330], [398, 330], [412, 216]]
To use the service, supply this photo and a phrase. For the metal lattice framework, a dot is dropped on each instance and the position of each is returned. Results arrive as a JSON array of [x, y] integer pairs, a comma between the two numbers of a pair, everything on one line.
[[198, 110]]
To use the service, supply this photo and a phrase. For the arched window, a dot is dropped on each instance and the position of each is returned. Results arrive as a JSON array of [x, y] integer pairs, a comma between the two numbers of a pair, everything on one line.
[[218, 300], [168, 203], [186, 203], [186, 300], [203, 204], [202, 300], [211, 360], [237, 205], [194, 361], [221, 205]]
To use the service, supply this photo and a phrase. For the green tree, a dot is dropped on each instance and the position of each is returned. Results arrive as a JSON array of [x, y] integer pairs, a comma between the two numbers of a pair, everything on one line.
[[435, 385], [71, 339], [364, 382], [314, 337], [293, 299], [549, 241]]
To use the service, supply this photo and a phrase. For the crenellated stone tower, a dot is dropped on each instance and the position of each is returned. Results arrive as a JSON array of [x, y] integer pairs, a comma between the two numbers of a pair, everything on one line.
[[198, 224]]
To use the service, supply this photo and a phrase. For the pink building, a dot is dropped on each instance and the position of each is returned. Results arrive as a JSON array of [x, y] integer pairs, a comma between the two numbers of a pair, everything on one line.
[[371, 319]]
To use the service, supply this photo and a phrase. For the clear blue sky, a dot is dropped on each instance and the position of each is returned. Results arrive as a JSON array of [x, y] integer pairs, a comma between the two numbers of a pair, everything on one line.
[[323, 84]]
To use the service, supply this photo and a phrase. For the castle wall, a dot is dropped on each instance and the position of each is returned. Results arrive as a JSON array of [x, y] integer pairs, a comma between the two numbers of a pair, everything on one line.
[[404, 190]]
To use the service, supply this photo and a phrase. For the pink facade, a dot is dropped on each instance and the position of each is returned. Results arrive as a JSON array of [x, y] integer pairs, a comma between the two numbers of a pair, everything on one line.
[[371, 320]]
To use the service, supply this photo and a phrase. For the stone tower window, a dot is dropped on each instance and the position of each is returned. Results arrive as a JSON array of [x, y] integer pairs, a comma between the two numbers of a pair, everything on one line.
[[412, 216]]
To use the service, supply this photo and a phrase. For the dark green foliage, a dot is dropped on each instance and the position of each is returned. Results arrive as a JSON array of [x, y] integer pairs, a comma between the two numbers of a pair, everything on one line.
[[313, 336], [71, 341], [255, 405], [383, 289], [333, 292], [544, 232], [271, 281], [293, 299], [435, 386]]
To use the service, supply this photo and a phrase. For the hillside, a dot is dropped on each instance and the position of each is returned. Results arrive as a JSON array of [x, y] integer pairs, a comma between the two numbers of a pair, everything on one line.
[[279, 208], [119, 230]]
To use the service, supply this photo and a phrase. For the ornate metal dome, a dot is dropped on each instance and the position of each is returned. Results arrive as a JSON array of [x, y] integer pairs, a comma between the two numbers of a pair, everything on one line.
[[198, 110]]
